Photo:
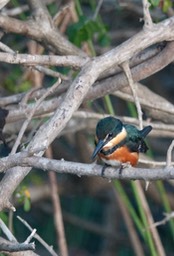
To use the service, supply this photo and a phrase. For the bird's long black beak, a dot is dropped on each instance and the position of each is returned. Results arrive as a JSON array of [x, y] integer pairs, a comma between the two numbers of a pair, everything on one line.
[[97, 149]]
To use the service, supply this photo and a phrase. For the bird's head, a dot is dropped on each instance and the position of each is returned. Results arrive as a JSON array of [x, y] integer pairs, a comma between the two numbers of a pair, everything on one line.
[[109, 132]]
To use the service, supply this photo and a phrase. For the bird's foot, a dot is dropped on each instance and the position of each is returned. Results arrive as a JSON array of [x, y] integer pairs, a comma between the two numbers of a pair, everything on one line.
[[103, 170], [123, 166]]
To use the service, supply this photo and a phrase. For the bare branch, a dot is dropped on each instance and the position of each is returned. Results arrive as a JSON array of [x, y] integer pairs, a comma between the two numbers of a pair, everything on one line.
[[36, 236], [148, 23], [80, 169], [169, 154], [168, 217], [30, 115], [97, 9], [30, 236], [16, 247], [75, 62], [42, 32], [12, 245], [132, 85], [7, 232], [3, 3]]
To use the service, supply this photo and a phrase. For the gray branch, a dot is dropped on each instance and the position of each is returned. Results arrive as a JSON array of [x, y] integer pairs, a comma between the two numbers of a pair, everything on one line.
[[15, 247], [81, 169]]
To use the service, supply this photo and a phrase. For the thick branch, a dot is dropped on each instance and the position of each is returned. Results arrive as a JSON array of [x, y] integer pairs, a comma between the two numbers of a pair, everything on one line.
[[28, 59], [36, 30], [81, 169], [6, 246]]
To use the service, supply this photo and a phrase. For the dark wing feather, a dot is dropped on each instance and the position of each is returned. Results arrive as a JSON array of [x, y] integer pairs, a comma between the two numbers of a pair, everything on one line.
[[135, 139], [145, 131]]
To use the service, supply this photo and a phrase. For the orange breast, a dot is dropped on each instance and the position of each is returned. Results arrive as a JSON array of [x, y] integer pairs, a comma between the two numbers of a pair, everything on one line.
[[122, 155]]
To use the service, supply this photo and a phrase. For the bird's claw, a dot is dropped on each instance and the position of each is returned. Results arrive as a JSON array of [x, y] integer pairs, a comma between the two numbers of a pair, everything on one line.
[[103, 170], [122, 166]]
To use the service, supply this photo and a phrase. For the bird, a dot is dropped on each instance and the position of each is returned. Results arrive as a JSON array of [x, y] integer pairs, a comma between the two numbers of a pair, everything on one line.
[[118, 143]]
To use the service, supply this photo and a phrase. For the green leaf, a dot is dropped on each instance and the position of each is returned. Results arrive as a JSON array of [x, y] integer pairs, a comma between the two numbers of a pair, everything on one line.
[[154, 3], [166, 5], [104, 40], [27, 204], [82, 30]]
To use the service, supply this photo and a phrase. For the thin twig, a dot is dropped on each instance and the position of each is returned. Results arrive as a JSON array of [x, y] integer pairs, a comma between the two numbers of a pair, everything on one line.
[[99, 4], [36, 236], [30, 115], [30, 236], [148, 23], [153, 163], [13, 245], [7, 232], [50, 72], [168, 217], [169, 154], [132, 85], [5, 48]]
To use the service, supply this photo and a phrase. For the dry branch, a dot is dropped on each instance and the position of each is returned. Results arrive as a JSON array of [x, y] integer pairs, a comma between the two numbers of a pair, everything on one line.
[[36, 236], [80, 169], [78, 90]]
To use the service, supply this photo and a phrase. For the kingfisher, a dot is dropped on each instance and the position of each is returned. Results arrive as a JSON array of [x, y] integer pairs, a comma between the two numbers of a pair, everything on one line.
[[118, 143]]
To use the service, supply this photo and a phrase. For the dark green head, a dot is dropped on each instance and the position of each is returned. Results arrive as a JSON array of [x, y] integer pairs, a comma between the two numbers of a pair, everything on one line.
[[108, 126], [106, 129]]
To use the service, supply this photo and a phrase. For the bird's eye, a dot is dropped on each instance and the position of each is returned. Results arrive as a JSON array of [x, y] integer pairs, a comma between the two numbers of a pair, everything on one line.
[[110, 135]]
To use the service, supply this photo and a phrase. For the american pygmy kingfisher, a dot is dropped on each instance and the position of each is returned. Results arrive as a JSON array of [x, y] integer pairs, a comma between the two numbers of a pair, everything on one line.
[[119, 143]]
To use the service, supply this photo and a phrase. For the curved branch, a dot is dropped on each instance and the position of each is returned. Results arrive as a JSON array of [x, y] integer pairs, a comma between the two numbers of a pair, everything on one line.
[[36, 30]]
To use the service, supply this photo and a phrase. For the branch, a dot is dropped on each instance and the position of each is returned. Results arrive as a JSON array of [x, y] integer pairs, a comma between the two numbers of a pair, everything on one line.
[[126, 68], [148, 23], [139, 72], [31, 114], [116, 82], [41, 29], [169, 154], [80, 169], [75, 62], [77, 92], [7, 232], [168, 217], [36, 236], [15, 247]]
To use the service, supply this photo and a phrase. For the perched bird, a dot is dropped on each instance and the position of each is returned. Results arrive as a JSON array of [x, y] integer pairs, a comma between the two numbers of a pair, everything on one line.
[[119, 143]]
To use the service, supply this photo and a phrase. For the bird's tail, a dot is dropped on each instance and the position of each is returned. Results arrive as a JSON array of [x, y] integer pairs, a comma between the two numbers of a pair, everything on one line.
[[145, 131]]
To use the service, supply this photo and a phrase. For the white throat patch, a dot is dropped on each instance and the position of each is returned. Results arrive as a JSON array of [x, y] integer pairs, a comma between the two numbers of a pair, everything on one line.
[[121, 136]]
